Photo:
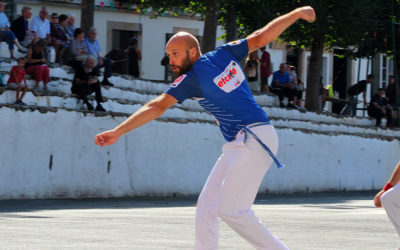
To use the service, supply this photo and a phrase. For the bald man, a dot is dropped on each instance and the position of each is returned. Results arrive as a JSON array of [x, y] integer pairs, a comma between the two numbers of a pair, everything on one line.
[[217, 81]]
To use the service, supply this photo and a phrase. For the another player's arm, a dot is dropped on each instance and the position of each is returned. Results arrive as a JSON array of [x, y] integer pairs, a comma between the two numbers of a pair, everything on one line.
[[273, 29], [394, 180], [148, 112]]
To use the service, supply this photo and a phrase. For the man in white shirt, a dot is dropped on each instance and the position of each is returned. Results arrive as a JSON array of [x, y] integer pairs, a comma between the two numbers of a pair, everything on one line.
[[41, 26]]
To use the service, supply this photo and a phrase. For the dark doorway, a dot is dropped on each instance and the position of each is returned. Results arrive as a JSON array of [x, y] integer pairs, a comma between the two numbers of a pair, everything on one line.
[[292, 56], [339, 78]]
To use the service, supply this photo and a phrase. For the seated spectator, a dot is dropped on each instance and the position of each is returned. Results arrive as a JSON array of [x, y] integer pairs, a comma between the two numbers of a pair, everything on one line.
[[94, 50], [281, 85], [251, 67], [78, 47], [86, 82], [59, 37], [36, 63], [4, 22], [379, 108], [53, 22], [6, 34], [391, 92], [20, 25], [41, 26], [134, 56], [17, 74], [71, 24]]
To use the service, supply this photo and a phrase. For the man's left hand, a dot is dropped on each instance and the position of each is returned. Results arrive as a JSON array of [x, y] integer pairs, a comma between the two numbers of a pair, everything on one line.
[[306, 13]]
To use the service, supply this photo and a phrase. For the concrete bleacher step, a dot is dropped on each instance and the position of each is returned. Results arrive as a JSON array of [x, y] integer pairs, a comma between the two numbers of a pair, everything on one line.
[[122, 107]]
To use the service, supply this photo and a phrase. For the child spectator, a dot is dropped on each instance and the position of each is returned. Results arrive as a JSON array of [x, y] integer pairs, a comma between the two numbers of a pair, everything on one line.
[[17, 74]]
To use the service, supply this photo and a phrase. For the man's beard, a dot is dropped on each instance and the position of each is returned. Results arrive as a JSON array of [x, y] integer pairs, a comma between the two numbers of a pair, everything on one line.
[[185, 67]]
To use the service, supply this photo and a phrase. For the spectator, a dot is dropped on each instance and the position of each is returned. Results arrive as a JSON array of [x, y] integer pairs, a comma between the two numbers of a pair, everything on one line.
[[41, 26], [4, 22], [265, 69], [6, 34], [20, 25], [53, 22], [251, 67], [78, 47], [353, 92], [17, 74], [282, 86], [391, 92], [59, 37], [36, 63], [86, 82], [134, 56], [379, 108], [94, 50], [71, 24]]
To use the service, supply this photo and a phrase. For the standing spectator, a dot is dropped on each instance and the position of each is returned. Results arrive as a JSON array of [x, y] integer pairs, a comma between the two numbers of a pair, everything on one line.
[[353, 92], [391, 92], [379, 108], [282, 86], [134, 56], [20, 25], [78, 47], [71, 24], [36, 63], [251, 67], [94, 50], [17, 74], [86, 82], [59, 37], [265, 69], [41, 26]]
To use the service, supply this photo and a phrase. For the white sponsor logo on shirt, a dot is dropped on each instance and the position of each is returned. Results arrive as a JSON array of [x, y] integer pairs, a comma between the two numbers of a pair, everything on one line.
[[231, 78], [178, 81]]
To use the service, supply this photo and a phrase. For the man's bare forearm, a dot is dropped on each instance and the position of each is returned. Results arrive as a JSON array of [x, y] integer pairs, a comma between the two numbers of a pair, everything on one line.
[[395, 178]]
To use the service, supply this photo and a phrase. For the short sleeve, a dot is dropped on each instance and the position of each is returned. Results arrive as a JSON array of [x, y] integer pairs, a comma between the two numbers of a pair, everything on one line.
[[239, 48], [184, 87]]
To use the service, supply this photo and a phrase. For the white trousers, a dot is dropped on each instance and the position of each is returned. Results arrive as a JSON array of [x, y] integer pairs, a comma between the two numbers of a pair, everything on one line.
[[231, 189], [391, 202]]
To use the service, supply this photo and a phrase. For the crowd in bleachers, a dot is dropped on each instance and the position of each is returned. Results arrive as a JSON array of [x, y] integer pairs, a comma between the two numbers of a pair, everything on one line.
[[44, 33]]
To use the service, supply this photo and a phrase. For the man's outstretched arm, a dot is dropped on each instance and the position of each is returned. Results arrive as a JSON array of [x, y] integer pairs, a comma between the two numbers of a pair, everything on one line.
[[273, 29], [145, 114]]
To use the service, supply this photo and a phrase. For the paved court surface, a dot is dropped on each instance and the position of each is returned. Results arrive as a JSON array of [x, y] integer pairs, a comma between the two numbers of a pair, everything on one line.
[[318, 221]]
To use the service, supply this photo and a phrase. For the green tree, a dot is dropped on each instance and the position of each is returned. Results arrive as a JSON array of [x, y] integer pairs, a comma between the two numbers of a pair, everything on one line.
[[339, 23]]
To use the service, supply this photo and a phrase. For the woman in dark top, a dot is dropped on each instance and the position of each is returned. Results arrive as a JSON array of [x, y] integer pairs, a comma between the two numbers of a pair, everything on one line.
[[36, 63], [134, 56]]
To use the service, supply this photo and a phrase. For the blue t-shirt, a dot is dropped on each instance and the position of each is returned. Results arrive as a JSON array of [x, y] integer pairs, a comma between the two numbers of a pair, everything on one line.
[[218, 83], [93, 47], [282, 79]]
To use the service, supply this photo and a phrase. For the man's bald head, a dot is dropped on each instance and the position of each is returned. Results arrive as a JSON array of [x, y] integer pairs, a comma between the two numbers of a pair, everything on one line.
[[184, 40]]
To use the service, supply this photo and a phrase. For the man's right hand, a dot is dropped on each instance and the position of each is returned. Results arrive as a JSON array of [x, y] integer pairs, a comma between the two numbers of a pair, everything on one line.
[[377, 199], [106, 138]]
